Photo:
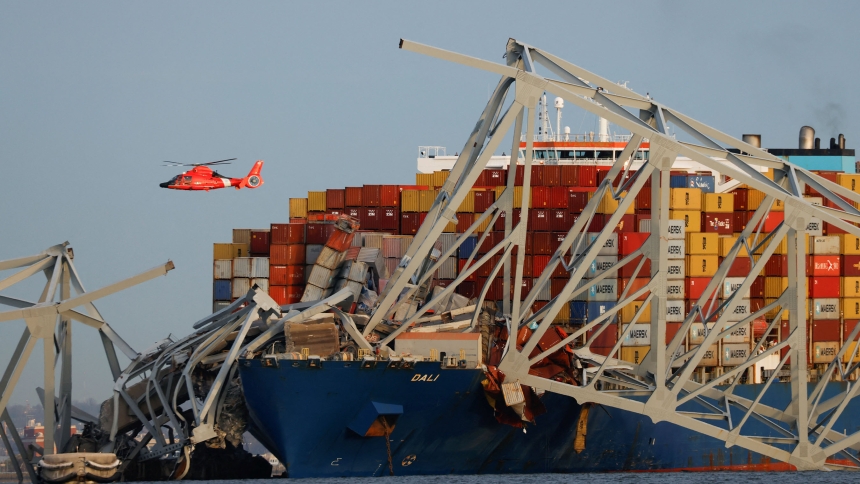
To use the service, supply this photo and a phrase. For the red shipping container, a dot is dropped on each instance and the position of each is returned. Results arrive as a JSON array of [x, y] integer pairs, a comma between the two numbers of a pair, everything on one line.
[[525, 288], [389, 219], [495, 177], [354, 212], [577, 199], [720, 223], [539, 220], [283, 234], [643, 199], [389, 196], [776, 266], [825, 330], [287, 255], [286, 275], [339, 240], [629, 242], [483, 200], [551, 175], [830, 229], [369, 218], [537, 176], [286, 294], [528, 268], [335, 198], [606, 340], [772, 221], [627, 270], [353, 196], [739, 220], [757, 288], [756, 304], [499, 225], [464, 221], [557, 239], [410, 222], [489, 242], [540, 197], [260, 243], [556, 286], [626, 224], [851, 265], [568, 175], [542, 243], [695, 286], [481, 271], [636, 285], [530, 242], [559, 220], [741, 267], [468, 289], [741, 200], [481, 181], [587, 176], [596, 224], [818, 287], [824, 265], [558, 197], [671, 330], [847, 327], [559, 272], [334, 211], [371, 195], [539, 263], [710, 304], [318, 233], [519, 176]]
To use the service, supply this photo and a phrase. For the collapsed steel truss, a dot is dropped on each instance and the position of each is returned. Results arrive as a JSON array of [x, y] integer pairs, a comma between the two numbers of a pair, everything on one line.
[[662, 386], [50, 320]]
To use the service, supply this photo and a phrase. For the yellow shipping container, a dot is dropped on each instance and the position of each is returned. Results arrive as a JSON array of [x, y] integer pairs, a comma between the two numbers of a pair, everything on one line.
[[410, 201], [450, 228], [563, 316], [468, 203], [610, 204], [773, 312], [851, 308], [700, 243], [634, 354], [439, 178], [850, 244], [692, 219], [629, 310], [499, 190], [774, 286], [298, 208], [483, 225], [685, 198], [850, 181], [718, 202], [518, 197], [424, 179], [241, 250], [754, 198], [782, 248], [846, 358], [777, 206], [851, 287], [701, 265], [726, 244], [222, 251], [426, 199], [316, 201]]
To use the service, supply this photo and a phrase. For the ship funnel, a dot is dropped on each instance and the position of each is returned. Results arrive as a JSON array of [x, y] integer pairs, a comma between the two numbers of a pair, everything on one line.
[[752, 139], [807, 138], [841, 141]]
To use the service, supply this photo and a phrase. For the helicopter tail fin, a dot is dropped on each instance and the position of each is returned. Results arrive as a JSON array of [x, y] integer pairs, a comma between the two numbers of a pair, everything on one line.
[[254, 179]]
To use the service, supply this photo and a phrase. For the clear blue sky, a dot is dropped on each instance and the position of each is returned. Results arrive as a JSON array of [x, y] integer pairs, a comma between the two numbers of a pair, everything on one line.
[[94, 95]]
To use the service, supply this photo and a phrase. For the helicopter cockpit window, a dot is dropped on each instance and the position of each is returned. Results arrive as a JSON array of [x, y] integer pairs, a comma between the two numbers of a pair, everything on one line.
[[187, 179]]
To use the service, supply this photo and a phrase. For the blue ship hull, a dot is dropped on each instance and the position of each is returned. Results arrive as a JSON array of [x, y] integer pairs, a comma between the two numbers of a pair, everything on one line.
[[304, 415]]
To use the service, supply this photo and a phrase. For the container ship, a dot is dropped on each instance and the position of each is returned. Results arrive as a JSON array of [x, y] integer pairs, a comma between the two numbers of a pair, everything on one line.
[[422, 406]]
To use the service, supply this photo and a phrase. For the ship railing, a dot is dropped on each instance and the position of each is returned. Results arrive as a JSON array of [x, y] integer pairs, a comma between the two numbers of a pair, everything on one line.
[[585, 137]]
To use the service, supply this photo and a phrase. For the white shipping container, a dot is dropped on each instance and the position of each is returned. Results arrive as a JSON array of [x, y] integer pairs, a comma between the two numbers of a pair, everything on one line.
[[605, 290], [321, 276], [308, 269], [639, 335], [740, 334], [698, 333], [545, 293], [447, 241], [330, 258], [448, 269], [405, 242], [824, 352], [313, 293], [826, 308], [711, 357], [675, 290], [732, 284], [600, 264], [610, 247], [242, 267], [733, 354], [676, 270], [241, 286], [312, 251], [356, 271], [260, 267], [815, 227], [223, 269], [675, 229], [675, 311], [675, 248], [740, 311], [219, 305], [262, 283], [353, 286], [374, 239], [358, 240], [825, 245]]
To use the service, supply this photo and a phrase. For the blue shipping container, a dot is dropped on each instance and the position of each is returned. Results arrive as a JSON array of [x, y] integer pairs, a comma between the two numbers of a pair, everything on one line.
[[705, 183], [222, 290], [597, 308], [468, 246], [578, 312], [678, 181]]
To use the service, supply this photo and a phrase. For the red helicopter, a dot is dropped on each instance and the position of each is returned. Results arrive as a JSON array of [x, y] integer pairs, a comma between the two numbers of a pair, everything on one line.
[[201, 177]]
